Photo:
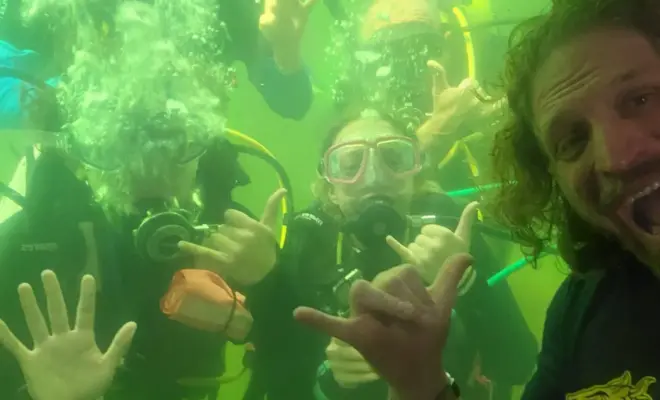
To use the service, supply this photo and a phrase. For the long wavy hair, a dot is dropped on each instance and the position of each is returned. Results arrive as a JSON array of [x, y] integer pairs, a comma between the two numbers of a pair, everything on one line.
[[529, 201]]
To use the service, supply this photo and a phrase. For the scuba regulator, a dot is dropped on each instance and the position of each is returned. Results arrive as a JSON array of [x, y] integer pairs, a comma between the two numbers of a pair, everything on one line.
[[156, 238], [376, 220]]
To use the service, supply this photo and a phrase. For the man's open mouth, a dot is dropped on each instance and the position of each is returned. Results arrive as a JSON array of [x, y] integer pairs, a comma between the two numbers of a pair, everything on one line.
[[642, 209]]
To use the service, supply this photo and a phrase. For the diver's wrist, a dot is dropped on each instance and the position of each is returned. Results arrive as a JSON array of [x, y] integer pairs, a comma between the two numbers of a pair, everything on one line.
[[438, 388], [287, 59]]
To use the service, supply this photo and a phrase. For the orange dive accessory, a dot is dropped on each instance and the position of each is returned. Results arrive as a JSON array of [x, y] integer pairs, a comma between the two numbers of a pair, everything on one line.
[[203, 300]]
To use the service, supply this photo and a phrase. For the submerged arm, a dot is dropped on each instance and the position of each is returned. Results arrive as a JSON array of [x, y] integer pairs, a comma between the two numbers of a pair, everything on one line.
[[289, 94]]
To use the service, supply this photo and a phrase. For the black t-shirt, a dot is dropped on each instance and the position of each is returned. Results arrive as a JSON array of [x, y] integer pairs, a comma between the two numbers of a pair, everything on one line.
[[601, 338], [288, 355]]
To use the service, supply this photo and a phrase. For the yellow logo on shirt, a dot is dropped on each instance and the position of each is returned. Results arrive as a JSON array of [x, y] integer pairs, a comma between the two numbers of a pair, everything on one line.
[[620, 388]]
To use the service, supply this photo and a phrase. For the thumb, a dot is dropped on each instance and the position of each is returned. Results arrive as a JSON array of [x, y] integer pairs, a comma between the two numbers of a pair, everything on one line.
[[464, 228], [440, 83], [444, 289], [271, 211], [406, 255], [11, 342], [120, 344]]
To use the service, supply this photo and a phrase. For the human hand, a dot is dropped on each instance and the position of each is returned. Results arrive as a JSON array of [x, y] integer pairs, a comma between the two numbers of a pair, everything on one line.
[[282, 24], [435, 244], [454, 108], [348, 366], [399, 326], [65, 364], [242, 249]]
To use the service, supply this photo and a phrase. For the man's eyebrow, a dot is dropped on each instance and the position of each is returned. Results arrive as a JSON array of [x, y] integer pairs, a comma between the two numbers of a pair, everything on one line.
[[631, 75]]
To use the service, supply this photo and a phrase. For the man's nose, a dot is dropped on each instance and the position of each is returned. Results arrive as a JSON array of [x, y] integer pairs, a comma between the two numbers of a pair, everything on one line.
[[624, 145], [374, 173]]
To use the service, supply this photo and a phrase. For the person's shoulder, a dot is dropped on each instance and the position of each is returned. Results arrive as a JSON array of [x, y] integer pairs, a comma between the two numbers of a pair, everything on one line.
[[311, 232], [576, 286], [573, 297], [312, 217]]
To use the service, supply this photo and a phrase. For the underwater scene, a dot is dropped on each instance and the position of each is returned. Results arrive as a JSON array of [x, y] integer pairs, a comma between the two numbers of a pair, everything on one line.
[[329, 199]]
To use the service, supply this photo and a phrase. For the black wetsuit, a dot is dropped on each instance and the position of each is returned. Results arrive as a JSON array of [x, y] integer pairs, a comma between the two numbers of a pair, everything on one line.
[[48, 235], [601, 338], [288, 355]]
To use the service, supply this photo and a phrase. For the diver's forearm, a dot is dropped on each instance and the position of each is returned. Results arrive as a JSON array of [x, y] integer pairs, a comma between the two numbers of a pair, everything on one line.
[[288, 58], [436, 389]]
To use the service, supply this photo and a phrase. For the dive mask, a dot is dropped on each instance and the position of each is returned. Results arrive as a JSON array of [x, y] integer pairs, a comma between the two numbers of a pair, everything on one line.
[[152, 142], [347, 162]]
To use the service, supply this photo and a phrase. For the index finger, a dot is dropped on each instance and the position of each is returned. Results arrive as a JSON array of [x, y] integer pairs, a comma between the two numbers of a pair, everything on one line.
[[464, 228], [33, 316]]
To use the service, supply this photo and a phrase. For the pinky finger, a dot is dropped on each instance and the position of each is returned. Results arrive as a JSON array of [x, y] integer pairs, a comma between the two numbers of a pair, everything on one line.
[[11, 342], [406, 255]]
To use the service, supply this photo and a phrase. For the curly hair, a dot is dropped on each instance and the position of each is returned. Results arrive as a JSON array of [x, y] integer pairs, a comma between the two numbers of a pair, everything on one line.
[[142, 75], [529, 202]]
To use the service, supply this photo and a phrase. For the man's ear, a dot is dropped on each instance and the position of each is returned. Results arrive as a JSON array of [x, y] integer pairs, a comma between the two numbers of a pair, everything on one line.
[[332, 195]]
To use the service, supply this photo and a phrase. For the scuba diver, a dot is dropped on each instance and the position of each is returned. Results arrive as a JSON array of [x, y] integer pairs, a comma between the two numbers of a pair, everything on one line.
[[401, 62], [372, 196], [266, 40], [36, 38], [133, 186]]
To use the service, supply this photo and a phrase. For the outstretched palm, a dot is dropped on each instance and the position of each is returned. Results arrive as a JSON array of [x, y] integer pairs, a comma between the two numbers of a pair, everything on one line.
[[65, 364]]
